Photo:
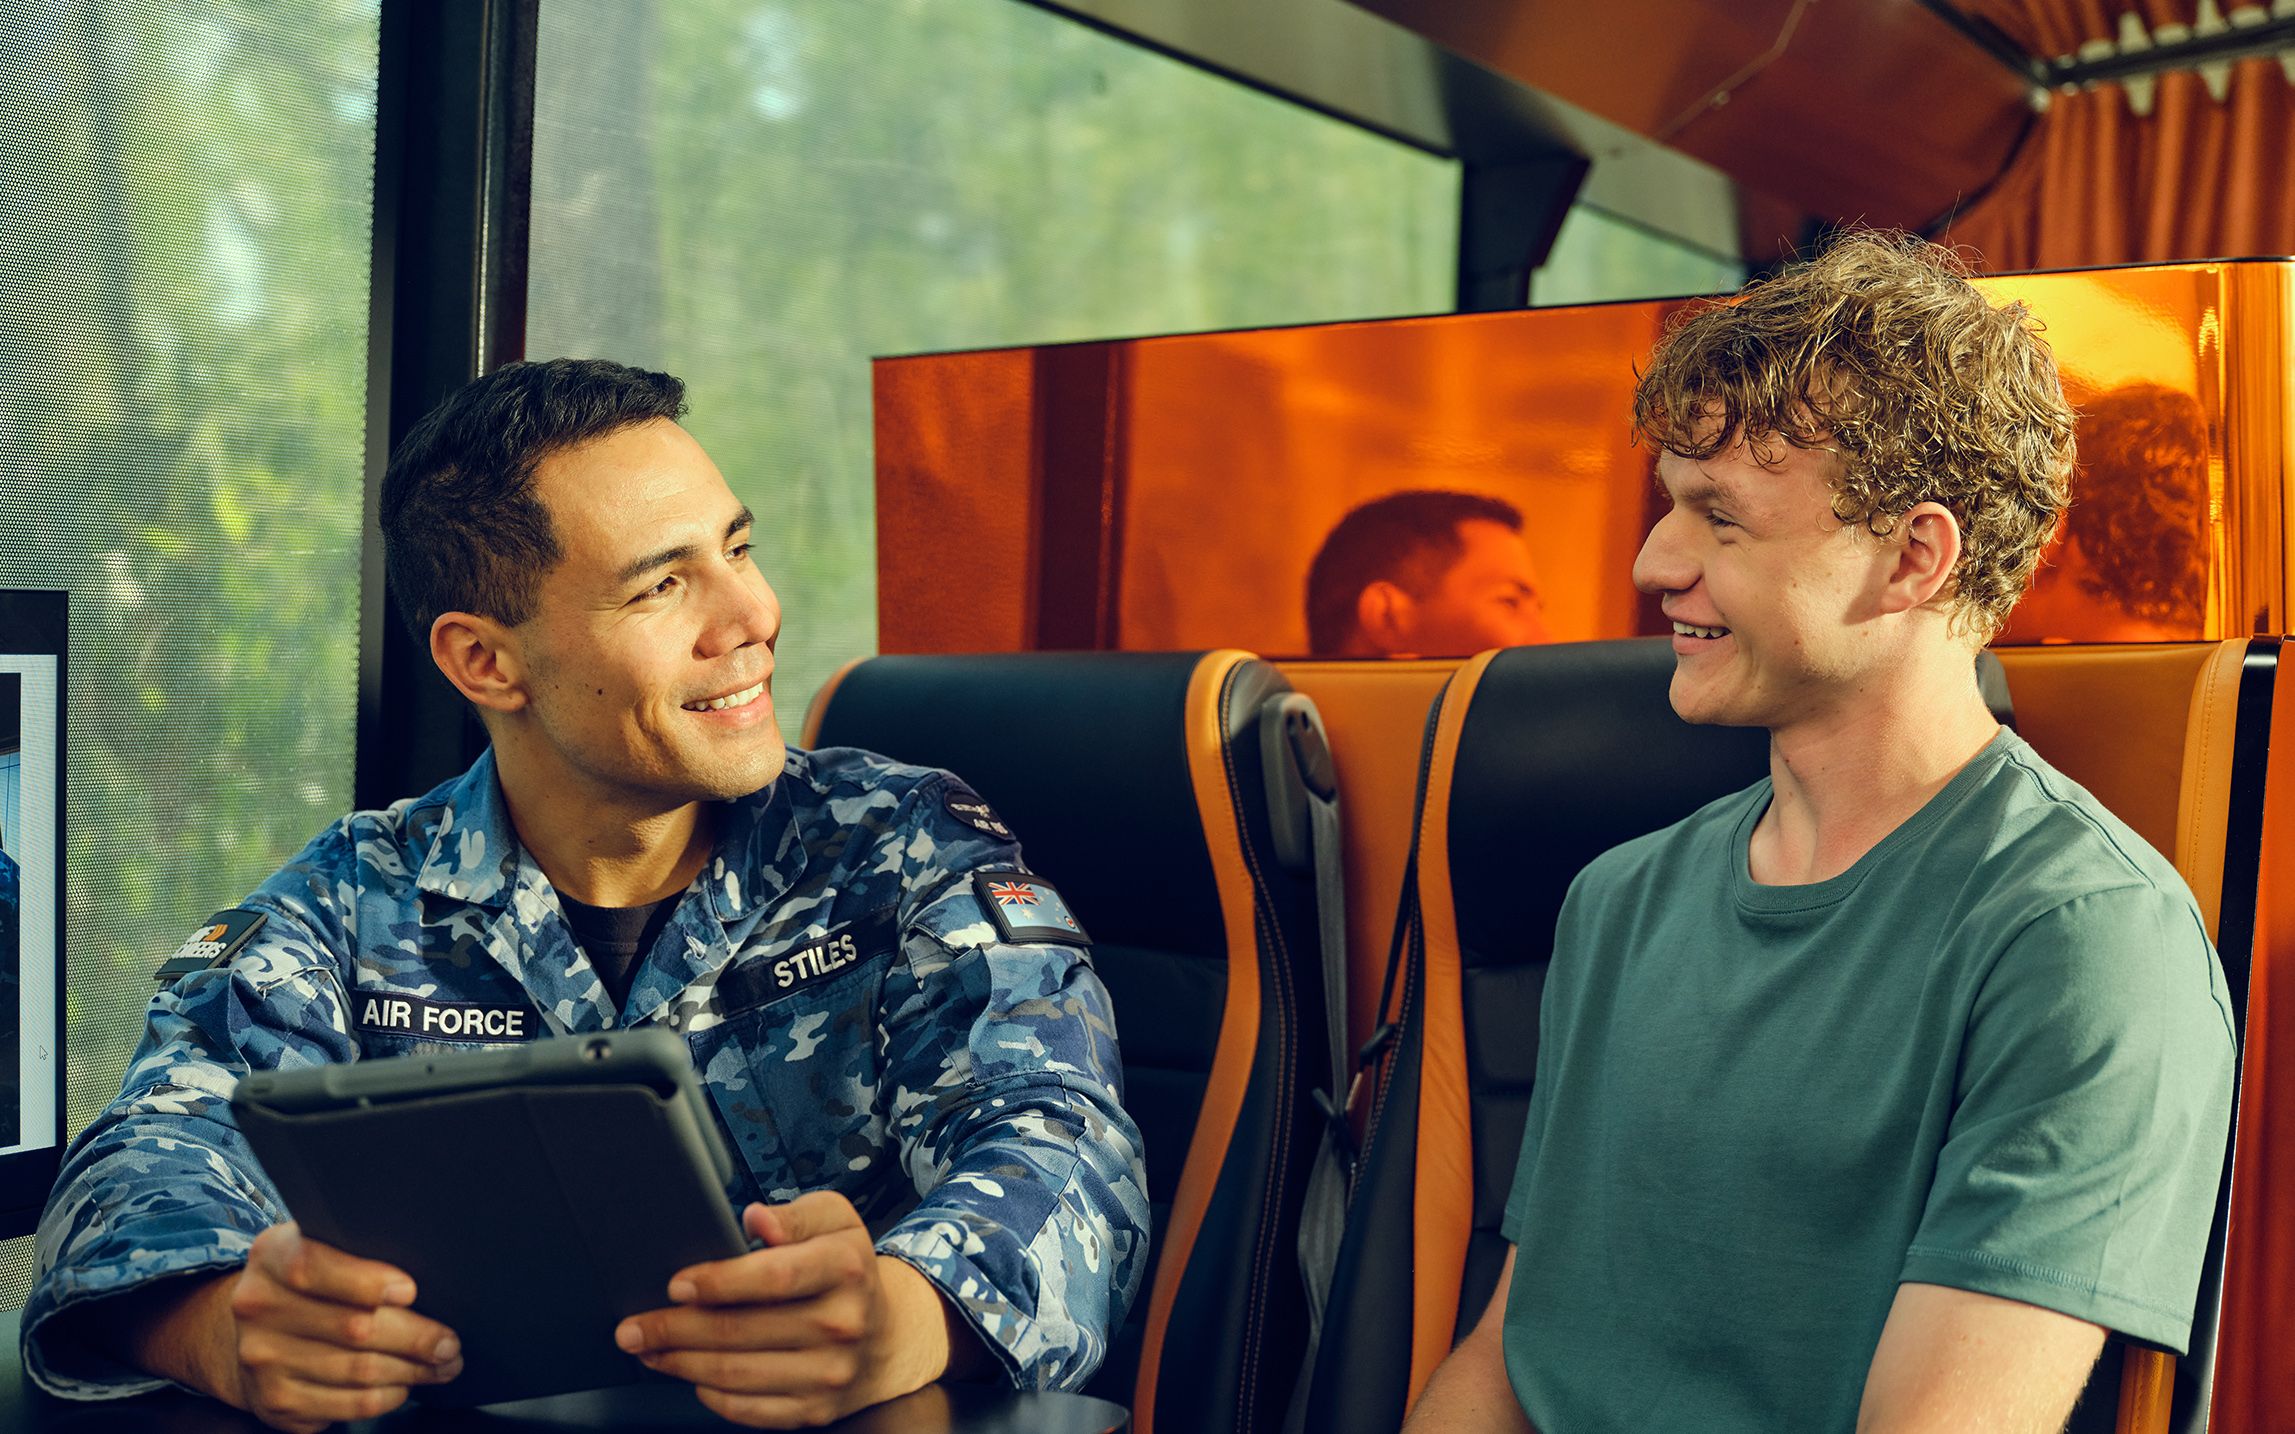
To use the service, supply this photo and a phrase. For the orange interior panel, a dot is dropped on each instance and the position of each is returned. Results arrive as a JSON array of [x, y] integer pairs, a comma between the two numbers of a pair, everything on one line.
[[1172, 492], [1374, 714]]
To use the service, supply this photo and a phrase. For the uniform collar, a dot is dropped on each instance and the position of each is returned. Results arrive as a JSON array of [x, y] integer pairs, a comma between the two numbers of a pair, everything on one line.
[[474, 854], [760, 849], [475, 857]]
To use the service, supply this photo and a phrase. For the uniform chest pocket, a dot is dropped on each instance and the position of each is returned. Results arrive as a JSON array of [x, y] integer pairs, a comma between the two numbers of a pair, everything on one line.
[[813, 1064]]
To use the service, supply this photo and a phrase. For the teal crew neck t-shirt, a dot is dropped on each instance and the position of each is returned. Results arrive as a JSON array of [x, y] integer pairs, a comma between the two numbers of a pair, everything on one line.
[[1995, 1054]]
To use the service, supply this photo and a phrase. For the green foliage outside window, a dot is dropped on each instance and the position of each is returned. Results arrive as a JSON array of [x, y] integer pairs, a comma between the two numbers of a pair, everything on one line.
[[761, 195], [184, 248]]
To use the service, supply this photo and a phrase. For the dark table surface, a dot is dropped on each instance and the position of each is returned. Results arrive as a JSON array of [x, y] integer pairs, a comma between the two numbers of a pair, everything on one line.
[[941, 1409]]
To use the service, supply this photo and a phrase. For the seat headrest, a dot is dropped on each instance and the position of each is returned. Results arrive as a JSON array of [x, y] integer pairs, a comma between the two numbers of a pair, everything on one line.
[[1565, 752], [1078, 752]]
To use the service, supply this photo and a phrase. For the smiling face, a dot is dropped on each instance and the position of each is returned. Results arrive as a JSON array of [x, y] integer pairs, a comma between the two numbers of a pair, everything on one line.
[[1487, 598], [1773, 599], [647, 665]]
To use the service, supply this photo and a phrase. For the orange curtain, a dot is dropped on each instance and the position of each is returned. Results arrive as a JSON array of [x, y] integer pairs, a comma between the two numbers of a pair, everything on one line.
[[2096, 182]]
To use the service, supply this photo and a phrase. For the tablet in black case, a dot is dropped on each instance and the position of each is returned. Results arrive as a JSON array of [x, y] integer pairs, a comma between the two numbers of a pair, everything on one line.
[[537, 1194]]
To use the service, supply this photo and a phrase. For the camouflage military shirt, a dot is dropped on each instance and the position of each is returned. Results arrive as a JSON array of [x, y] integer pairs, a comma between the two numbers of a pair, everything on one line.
[[863, 1020]]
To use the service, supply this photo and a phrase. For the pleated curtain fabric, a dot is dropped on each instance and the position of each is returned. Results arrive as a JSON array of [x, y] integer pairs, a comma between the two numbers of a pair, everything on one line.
[[2190, 164]]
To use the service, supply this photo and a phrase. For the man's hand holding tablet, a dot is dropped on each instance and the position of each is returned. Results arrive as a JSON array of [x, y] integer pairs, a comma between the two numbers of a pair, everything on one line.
[[808, 1329], [303, 1336]]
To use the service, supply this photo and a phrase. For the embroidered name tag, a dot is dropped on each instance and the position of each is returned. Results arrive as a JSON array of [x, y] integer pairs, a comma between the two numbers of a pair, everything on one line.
[[213, 944], [394, 1014], [762, 980]]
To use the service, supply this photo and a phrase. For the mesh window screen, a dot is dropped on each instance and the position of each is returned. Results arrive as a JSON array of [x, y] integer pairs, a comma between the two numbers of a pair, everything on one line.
[[759, 195], [1597, 257], [185, 211]]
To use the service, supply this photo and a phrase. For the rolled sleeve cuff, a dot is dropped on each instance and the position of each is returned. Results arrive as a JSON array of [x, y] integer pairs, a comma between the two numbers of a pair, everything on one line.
[[940, 1248], [69, 1369]]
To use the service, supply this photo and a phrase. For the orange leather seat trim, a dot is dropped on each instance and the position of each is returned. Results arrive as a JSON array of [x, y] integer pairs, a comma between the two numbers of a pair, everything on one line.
[[2176, 701], [2203, 808], [2147, 1391], [1232, 1058], [1442, 1214], [2128, 760], [1374, 713]]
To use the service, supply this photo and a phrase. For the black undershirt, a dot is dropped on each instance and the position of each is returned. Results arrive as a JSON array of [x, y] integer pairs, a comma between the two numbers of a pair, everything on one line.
[[616, 938]]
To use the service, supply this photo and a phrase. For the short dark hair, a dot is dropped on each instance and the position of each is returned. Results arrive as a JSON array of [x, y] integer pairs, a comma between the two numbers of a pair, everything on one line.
[[462, 529], [2139, 503], [1409, 539]]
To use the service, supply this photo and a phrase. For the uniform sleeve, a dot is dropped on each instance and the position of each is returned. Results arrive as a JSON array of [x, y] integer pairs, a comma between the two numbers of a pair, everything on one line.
[[161, 1183], [1008, 1107], [2080, 1169]]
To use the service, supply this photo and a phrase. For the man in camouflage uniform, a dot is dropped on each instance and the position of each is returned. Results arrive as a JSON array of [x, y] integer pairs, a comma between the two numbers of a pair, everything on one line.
[[896, 1023]]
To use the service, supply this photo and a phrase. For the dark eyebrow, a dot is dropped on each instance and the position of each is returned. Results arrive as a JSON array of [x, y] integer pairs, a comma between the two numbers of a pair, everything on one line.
[[632, 571]]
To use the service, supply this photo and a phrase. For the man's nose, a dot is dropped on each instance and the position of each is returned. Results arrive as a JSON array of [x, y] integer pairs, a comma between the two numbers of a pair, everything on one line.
[[1664, 564], [745, 611]]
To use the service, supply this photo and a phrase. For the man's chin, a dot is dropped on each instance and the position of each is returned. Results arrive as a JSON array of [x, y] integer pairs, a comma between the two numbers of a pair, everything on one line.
[[730, 777]]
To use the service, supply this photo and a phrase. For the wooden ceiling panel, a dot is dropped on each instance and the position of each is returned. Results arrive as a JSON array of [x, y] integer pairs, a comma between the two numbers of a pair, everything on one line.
[[1871, 110]]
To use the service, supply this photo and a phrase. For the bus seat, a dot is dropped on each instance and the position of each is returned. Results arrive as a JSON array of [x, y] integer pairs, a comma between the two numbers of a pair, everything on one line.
[[2172, 737], [1540, 758], [1583, 735], [1134, 782], [1375, 712]]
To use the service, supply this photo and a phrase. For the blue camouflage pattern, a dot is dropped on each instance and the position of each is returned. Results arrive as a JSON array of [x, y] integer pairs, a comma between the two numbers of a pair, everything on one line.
[[963, 1091]]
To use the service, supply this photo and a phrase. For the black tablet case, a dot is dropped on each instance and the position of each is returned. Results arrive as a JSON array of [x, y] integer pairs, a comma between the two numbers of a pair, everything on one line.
[[590, 1196]]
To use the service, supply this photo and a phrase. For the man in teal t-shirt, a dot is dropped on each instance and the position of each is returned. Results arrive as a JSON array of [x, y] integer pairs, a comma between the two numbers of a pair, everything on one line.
[[1872, 1096]]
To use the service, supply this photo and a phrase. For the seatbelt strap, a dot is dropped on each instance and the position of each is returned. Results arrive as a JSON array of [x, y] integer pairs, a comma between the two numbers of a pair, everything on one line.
[[1303, 807], [1323, 1218]]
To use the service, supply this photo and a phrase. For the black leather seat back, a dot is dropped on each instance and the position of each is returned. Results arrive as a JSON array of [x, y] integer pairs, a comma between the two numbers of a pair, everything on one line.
[[1134, 784]]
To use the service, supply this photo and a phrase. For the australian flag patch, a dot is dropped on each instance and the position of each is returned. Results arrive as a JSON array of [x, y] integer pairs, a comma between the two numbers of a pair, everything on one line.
[[1026, 908]]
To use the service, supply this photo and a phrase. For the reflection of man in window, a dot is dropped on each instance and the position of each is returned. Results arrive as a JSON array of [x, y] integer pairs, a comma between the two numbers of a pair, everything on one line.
[[1424, 573], [2132, 565]]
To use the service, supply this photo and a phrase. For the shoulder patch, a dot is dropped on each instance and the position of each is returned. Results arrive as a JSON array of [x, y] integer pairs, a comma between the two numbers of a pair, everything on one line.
[[213, 944], [965, 805], [1026, 908]]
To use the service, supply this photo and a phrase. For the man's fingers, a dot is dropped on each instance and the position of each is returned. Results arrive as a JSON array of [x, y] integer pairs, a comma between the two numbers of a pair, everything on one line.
[[319, 1270], [773, 1371], [808, 1217], [765, 1411], [311, 1361], [293, 1404], [789, 1272], [804, 1324], [390, 1330]]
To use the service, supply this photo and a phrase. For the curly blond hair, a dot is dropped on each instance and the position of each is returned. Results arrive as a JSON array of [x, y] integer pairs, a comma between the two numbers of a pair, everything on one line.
[[1881, 351]]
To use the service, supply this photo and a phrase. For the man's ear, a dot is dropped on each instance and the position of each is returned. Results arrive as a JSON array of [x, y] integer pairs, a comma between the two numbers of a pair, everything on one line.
[[1384, 618], [481, 658], [1926, 551]]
